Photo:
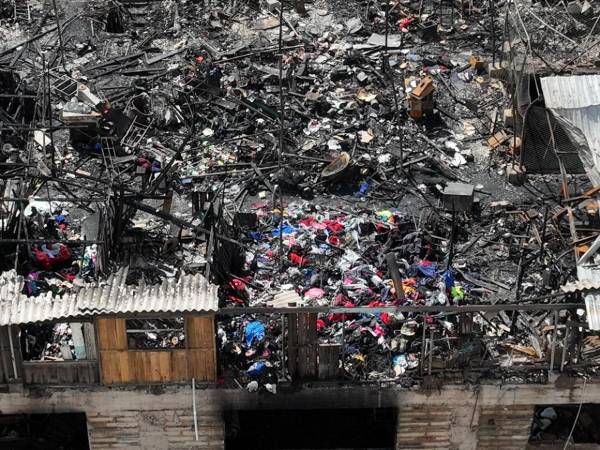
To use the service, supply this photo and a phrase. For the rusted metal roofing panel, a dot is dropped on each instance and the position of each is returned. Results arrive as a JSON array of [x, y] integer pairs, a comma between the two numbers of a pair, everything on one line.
[[188, 293]]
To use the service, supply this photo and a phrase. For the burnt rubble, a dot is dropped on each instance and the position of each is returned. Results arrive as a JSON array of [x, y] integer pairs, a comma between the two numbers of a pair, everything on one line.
[[360, 162]]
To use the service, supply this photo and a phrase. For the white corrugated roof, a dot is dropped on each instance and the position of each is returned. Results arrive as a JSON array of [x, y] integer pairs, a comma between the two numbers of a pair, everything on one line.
[[589, 279], [188, 293], [579, 91], [592, 308]]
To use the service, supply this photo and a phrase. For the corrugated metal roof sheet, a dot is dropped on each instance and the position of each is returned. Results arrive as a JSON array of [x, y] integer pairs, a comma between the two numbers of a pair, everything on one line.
[[188, 293], [592, 308], [589, 279], [576, 99], [286, 299], [579, 91]]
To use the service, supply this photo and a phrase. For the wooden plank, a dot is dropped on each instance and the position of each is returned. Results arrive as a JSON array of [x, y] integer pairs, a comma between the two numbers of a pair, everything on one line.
[[89, 337], [200, 332], [306, 339], [292, 341], [140, 364], [312, 345], [202, 364], [107, 372], [151, 367], [179, 365], [329, 361], [5, 363], [111, 334], [116, 367], [303, 338], [60, 372], [163, 365], [15, 330]]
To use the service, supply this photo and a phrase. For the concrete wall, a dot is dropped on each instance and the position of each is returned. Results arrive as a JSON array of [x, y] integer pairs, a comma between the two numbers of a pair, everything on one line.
[[455, 417]]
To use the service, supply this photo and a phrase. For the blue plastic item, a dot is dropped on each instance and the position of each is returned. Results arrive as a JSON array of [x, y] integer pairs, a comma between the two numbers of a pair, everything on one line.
[[255, 332]]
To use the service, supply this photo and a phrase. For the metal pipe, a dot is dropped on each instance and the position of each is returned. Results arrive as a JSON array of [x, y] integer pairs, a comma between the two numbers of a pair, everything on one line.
[[430, 350], [398, 309], [423, 341], [12, 352], [564, 349], [194, 406]]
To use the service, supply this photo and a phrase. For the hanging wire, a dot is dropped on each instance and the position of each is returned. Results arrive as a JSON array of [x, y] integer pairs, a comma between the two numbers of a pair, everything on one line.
[[577, 415]]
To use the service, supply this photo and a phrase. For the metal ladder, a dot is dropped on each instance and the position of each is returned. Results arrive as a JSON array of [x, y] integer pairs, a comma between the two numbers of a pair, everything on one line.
[[22, 11], [108, 153], [135, 134]]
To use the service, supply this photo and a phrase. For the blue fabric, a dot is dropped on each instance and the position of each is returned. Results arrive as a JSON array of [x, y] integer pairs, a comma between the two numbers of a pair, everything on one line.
[[362, 189], [256, 369], [449, 279], [285, 229], [255, 332], [256, 235], [429, 270]]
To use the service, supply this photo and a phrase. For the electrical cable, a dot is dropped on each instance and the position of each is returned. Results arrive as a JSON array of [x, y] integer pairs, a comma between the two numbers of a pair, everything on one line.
[[577, 415]]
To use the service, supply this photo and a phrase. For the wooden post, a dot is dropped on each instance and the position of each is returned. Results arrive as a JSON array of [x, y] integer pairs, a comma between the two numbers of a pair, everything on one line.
[[395, 274], [430, 349], [554, 336], [564, 349], [302, 345]]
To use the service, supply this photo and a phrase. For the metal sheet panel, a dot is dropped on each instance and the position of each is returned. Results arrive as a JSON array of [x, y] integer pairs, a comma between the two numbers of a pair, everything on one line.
[[188, 293], [577, 91], [576, 99], [589, 279], [592, 307]]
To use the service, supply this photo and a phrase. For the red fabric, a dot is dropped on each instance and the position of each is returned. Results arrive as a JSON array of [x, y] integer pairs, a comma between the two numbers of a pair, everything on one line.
[[67, 276], [340, 299], [235, 299], [297, 259], [47, 262], [238, 285], [320, 324], [143, 162], [375, 304], [381, 227], [307, 222], [333, 226], [333, 240], [406, 21]]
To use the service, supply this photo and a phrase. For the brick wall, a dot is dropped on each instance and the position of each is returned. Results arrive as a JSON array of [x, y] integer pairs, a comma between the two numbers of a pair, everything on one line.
[[426, 426], [504, 427], [148, 430]]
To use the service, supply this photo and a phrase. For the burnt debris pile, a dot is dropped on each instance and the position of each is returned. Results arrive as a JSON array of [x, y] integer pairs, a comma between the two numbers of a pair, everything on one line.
[[393, 189]]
